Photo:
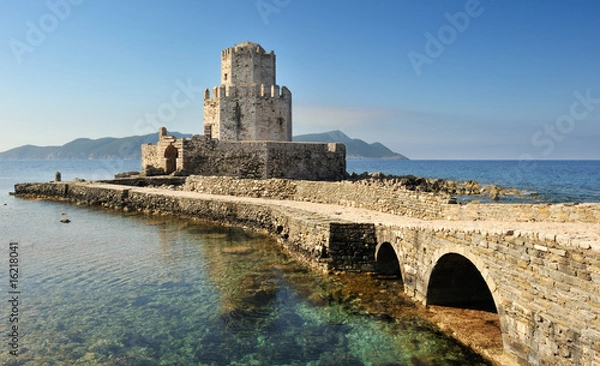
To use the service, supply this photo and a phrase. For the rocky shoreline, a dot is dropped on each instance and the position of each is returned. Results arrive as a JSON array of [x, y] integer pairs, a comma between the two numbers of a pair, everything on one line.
[[442, 187], [437, 186]]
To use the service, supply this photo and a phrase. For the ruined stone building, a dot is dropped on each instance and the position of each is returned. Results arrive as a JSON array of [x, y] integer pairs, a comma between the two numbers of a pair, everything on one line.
[[247, 129]]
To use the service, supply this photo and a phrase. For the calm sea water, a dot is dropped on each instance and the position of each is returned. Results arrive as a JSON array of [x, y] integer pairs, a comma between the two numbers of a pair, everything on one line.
[[546, 181], [128, 289]]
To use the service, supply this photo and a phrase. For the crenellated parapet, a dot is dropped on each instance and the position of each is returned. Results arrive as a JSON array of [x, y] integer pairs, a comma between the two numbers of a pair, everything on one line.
[[240, 91], [245, 48], [247, 63]]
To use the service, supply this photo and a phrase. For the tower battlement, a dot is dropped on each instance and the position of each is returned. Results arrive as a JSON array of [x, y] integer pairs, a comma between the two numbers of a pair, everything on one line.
[[247, 63], [258, 91], [245, 47]]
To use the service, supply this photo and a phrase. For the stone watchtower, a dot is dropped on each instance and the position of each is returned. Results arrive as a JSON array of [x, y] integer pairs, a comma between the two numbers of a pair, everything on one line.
[[247, 130], [248, 105]]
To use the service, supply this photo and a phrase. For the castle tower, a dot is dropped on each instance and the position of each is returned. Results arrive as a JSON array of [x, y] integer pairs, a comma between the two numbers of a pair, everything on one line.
[[248, 105]]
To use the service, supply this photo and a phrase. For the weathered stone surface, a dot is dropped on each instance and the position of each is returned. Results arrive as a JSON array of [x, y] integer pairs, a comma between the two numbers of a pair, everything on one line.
[[247, 159], [395, 197], [248, 105]]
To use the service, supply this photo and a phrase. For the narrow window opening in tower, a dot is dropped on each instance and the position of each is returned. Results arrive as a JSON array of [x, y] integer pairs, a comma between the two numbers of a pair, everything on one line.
[[225, 77]]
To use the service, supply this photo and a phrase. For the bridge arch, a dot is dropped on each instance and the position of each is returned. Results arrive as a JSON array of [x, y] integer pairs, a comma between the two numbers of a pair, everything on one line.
[[460, 279], [387, 261], [450, 267]]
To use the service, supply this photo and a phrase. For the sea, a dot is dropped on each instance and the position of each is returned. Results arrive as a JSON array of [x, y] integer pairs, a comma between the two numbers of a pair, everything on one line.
[[114, 288]]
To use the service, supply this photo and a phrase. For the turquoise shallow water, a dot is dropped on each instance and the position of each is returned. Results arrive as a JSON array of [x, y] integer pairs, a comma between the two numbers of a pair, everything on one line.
[[127, 289]]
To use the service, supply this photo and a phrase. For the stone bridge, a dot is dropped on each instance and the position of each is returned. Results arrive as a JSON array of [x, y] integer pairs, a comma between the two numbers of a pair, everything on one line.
[[536, 266], [546, 291]]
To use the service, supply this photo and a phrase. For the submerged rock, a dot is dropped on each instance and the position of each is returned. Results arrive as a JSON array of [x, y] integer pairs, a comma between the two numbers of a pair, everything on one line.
[[317, 299], [238, 249]]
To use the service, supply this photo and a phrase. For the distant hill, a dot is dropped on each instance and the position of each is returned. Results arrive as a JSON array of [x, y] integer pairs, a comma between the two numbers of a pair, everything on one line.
[[129, 148], [86, 149], [355, 148]]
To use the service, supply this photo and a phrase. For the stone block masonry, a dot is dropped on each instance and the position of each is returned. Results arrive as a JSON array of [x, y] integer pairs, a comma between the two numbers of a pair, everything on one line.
[[542, 274], [546, 293], [256, 112], [248, 105], [422, 205], [246, 159]]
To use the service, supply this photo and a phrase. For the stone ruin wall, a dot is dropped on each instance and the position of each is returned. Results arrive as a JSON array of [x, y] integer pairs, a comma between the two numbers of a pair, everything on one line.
[[235, 159], [556, 212], [313, 161], [248, 159], [153, 156], [422, 205], [307, 236]]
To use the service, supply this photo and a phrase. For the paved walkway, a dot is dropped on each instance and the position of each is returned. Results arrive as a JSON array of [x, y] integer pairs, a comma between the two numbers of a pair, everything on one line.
[[580, 235]]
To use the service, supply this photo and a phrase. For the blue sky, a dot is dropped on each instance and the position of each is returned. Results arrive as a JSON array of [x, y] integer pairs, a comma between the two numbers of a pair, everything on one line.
[[464, 79]]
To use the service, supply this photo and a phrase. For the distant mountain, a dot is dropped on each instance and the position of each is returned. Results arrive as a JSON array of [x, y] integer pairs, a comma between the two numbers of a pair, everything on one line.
[[355, 148], [86, 149], [129, 148]]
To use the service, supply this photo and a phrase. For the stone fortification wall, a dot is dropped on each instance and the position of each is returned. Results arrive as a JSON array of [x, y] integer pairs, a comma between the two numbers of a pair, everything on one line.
[[394, 200], [246, 159], [154, 161], [237, 159], [314, 161], [417, 204]]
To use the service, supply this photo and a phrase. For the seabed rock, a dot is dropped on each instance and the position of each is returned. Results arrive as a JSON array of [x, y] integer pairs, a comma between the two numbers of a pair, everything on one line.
[[238, 249]]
